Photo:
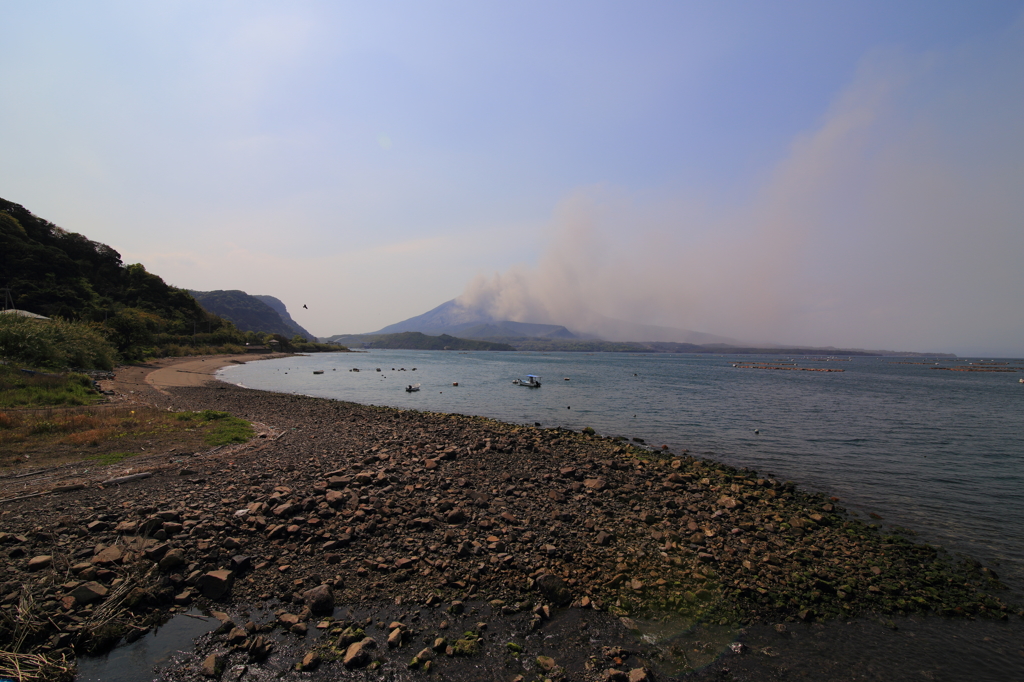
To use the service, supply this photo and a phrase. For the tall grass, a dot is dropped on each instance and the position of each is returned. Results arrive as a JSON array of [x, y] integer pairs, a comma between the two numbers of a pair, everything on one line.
[[54, 344], [22, 389]]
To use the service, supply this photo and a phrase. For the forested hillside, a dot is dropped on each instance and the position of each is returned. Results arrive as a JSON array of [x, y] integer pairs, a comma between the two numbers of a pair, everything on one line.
[[53, 272]]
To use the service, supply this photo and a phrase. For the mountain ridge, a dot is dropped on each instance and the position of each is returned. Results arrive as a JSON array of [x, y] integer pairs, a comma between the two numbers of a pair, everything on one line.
[[250, 313]]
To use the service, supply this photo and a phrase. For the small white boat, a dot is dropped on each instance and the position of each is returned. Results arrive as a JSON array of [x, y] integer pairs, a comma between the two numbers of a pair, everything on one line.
[[531, 381], [412, 387]]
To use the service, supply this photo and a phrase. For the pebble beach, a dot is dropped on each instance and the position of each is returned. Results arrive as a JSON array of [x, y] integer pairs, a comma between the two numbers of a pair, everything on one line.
[[357, 540]]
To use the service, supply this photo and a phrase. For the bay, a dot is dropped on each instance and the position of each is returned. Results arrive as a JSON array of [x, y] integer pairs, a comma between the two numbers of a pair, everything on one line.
[[938, 452]]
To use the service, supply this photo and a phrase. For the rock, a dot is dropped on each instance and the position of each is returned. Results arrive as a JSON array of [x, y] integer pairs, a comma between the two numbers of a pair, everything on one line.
[[465, 647], [260, 648], [311, 661], [358, 653], [215, 584], [171, 528], [554, 589], [395, 638], [604, 538], [172, 559], [156, 552], [349, 635], [614, 675], [595, 484], [109, 555], [286, 510], [638, 675], [237, 636], [86, 593], [213, 666], [320, 599], [546, 663], [38, 563], [241, 563]]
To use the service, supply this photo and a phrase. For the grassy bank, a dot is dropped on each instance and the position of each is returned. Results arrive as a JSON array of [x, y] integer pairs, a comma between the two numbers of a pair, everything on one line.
[[109, 434], [29, 388]]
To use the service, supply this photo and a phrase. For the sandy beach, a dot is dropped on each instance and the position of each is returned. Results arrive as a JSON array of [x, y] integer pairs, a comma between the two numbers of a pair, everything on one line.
[[161, 374]]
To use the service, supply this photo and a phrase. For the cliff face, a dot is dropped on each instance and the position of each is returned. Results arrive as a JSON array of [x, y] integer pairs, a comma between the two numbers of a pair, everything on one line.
[[282, 310], [251, 313]]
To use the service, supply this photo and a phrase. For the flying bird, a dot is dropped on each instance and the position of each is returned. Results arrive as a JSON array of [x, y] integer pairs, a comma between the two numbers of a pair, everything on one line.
[[305, 306]]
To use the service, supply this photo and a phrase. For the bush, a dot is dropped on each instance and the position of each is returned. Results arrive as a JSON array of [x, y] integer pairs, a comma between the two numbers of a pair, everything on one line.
[[54, 343]]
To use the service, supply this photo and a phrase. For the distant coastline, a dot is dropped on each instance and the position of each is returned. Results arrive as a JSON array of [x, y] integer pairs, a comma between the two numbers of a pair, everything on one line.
[[419, 341]]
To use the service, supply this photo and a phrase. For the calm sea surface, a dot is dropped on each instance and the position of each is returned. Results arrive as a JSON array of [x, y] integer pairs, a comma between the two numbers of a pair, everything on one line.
[[939, 452]]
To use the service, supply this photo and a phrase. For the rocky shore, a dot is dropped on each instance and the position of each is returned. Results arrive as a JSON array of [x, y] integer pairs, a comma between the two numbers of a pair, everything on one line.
[[343, 522]]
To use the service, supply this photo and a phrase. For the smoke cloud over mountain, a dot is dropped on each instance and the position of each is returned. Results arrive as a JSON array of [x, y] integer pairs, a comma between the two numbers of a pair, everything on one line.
[[896, 223]]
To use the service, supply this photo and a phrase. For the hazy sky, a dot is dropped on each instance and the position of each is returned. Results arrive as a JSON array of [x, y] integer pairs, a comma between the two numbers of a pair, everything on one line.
[[819, 173]]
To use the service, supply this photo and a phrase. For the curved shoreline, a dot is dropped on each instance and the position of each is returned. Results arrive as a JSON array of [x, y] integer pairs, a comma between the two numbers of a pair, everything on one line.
[[372, 503], [163, 373]]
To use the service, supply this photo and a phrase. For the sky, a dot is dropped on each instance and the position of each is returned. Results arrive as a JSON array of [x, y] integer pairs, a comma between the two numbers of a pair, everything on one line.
[[845, 174]]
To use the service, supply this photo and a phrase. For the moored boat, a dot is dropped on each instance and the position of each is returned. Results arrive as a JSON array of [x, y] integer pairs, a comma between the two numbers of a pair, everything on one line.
[[531, 381], [412, 387]]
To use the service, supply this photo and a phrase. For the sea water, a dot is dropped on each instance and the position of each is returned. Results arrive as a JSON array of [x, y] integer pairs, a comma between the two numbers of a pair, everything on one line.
[[939, 452]]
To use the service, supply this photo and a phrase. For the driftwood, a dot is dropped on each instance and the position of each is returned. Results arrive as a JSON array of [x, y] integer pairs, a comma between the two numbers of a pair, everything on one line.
[[68, 488], [24, 497], [125, 479]]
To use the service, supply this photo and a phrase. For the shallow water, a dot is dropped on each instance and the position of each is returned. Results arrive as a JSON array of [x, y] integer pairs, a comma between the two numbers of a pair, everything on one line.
[[137, 661], [939, 452], [918, 648]]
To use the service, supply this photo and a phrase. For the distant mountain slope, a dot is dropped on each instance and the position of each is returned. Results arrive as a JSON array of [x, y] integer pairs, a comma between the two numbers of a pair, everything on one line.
[[414, 341], [282, 310], [248, 313], [465, 322], [453, 318], [441, 319]]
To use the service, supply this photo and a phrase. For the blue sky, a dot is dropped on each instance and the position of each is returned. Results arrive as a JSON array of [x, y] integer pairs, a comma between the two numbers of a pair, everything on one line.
[[841, 173]]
